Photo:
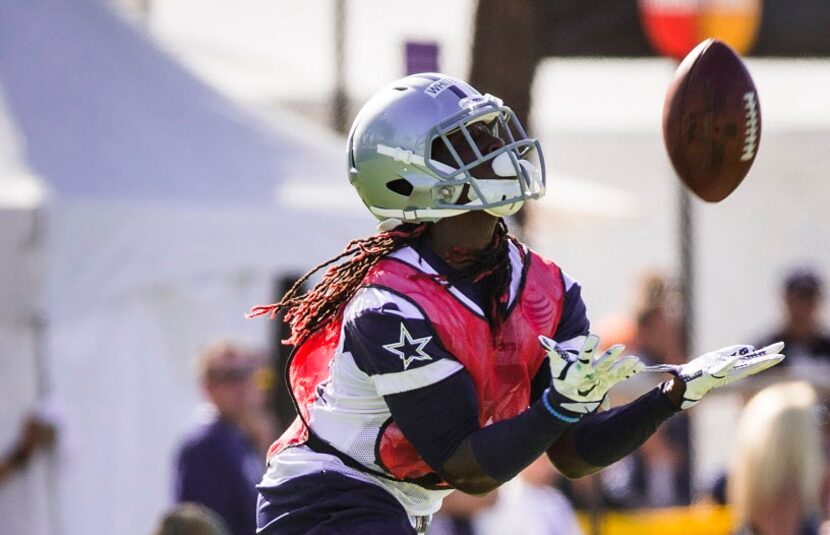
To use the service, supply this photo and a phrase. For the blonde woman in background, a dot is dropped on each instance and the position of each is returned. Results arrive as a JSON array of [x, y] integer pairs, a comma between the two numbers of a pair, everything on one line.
[[775, 478]]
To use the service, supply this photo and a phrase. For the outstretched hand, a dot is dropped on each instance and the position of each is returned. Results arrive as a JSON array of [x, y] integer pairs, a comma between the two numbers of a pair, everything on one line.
[[721, 367], [581, 379]]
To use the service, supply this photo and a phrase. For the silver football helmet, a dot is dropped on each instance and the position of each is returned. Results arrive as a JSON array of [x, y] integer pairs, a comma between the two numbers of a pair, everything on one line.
[[391, 143]]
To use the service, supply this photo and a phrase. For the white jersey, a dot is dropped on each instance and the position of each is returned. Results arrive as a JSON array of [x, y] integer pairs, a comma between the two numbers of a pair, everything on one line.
[[386, 347]]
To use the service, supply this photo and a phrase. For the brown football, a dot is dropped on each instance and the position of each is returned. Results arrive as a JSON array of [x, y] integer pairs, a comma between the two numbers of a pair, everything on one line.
[[712, 120]]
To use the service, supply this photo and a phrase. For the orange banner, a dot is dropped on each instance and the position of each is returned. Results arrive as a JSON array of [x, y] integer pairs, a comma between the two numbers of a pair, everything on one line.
[[674, 27]]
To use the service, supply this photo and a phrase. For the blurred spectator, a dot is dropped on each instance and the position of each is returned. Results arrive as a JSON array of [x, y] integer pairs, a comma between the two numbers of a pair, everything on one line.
[[807, 345], [458, 512], [657, 315], [657, 474], [35, 434], [777, 466], [222, 459], [531, 505], [191, 519], [652, 327]]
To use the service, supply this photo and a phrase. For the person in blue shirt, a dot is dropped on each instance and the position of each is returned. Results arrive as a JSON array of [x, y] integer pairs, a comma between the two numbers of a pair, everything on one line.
[[218, 463]]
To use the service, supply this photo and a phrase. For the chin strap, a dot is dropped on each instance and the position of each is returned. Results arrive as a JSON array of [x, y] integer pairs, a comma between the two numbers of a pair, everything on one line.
[[389, 224], [415, 215]]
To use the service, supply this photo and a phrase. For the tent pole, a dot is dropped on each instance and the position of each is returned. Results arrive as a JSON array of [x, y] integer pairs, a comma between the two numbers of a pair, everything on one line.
[[686, 227]]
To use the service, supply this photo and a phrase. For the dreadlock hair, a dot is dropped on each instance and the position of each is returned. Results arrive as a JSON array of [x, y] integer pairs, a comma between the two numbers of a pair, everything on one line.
[[307, 312]]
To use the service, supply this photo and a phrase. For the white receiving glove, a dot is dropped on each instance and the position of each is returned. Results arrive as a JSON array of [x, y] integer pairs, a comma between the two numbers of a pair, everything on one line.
[[720, 368], [580, 380]]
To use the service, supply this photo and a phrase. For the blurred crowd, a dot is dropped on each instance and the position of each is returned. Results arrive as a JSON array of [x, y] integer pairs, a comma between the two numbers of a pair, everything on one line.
[[222, 457], [777, 481]]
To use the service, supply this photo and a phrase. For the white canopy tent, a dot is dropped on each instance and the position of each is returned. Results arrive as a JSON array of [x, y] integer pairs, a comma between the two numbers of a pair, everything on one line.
[[155, 222]]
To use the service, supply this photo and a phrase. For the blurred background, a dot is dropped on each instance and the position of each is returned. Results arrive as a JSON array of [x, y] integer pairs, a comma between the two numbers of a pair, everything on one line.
[[167, 164]]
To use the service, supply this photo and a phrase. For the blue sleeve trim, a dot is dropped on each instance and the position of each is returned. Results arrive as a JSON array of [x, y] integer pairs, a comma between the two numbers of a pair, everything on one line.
[[554, 412]]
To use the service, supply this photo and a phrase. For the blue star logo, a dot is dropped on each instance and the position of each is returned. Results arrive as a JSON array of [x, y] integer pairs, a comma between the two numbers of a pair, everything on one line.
[[408, 349]]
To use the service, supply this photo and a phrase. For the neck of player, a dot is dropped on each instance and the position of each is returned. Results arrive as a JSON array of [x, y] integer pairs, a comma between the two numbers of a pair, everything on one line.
[[471, 232]]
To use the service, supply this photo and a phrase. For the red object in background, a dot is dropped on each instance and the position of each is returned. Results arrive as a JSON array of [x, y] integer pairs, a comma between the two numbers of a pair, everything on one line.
[[675, 27], [671, 27]]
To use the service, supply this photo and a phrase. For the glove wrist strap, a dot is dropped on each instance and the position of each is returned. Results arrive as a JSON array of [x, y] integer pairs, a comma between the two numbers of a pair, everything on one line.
[[559, 406]]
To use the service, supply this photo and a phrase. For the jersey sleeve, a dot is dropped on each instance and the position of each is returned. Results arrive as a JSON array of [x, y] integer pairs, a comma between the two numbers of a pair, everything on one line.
[[574, 320], [394, 343], [574, 323]]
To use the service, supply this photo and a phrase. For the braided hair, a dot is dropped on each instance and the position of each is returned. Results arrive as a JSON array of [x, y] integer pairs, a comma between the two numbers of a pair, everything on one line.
[[307, 312]]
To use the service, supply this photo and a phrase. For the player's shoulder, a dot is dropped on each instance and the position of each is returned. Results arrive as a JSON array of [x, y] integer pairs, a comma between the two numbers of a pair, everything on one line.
[[532, 255], [373, 301], [390, 339], [553, 267]]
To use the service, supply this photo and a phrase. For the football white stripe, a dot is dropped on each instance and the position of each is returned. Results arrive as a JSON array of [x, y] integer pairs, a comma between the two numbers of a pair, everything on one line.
[[752, 126]]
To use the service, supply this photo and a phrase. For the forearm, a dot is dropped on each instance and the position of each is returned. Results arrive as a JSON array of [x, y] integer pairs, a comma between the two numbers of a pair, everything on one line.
[[494, 454], [601, 439], [442, 422]]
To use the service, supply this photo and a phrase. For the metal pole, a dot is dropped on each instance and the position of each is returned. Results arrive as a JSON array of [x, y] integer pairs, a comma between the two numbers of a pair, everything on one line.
[[340, 100], [687, 271]]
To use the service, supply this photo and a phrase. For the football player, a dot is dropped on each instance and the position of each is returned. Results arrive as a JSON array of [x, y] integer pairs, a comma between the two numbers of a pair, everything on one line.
[[442, 353]]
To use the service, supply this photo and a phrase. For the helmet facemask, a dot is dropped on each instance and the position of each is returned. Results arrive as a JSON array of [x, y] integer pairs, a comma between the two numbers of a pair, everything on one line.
[[498, 181]]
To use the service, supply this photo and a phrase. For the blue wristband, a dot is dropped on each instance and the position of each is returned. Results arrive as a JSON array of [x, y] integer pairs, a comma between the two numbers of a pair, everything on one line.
[[554, 412]]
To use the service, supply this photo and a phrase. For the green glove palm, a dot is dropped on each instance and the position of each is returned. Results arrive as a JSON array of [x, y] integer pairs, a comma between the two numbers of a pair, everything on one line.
[[581, 378]]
